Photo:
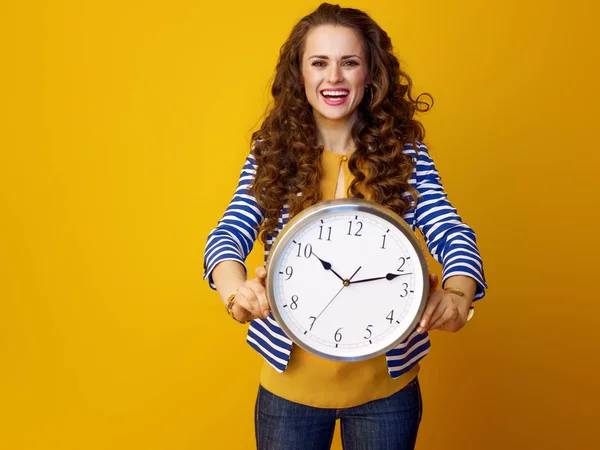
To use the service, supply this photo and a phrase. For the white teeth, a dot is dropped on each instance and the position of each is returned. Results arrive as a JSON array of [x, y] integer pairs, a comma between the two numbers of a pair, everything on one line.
[[335, 93]]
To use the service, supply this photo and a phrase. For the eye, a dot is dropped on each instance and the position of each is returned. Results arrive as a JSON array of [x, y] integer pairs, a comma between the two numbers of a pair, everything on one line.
[[352, 63], [318, 63]]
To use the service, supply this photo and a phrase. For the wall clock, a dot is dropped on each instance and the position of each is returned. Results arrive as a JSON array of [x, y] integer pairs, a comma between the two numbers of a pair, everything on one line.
[[347, 279]]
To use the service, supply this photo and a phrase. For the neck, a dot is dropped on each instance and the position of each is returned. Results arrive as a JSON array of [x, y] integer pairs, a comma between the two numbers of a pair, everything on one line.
[[335, 135]]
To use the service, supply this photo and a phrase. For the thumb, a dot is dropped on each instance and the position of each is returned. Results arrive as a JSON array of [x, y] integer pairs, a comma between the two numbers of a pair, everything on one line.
[[433, 282], [261, 273]]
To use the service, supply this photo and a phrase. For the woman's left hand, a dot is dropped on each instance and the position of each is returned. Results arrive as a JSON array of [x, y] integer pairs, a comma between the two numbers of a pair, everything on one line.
[[444, 311]]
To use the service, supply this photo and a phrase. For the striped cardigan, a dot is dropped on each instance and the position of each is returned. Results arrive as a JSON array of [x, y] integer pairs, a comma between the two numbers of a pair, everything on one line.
[[450, 241]]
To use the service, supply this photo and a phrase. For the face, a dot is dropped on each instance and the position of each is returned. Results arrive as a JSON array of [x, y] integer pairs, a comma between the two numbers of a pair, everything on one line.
[[334, 69]]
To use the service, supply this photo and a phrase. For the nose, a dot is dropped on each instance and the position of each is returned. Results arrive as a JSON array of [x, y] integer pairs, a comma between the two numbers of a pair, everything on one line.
[[335, 74]]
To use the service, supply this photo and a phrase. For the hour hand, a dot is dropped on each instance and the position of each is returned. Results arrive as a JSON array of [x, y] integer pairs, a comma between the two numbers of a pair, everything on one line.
[[327, 266], [389, 276]]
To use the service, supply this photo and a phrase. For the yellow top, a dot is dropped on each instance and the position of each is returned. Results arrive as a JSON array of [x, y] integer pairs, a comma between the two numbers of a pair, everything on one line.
[[315, 381]]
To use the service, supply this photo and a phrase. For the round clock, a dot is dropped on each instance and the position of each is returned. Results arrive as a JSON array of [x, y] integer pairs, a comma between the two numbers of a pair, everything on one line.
[[347, 279]]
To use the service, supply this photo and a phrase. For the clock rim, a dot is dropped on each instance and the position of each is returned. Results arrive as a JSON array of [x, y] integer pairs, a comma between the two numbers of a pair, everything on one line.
[[344, 205]]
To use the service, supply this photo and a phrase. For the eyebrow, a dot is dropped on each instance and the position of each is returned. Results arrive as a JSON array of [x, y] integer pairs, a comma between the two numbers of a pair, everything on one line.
[[327, 57]]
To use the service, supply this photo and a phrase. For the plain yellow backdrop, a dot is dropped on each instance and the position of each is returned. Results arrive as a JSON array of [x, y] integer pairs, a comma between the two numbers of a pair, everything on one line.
[[124, 127]]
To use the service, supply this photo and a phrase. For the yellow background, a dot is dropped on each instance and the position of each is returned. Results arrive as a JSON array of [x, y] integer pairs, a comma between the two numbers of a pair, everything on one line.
[[124, 127]]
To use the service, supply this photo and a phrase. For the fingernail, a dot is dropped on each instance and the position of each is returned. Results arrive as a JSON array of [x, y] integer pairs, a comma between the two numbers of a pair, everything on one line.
[[419, 330], [266, 313], [423, 323]]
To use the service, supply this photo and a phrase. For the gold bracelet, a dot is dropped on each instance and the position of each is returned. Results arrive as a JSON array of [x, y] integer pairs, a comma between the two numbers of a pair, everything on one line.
[[456, 291], [460, 293], [230, 302], [229, 307]]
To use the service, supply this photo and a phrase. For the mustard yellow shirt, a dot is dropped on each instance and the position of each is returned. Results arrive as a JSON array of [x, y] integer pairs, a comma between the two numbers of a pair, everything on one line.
[[315, 381]]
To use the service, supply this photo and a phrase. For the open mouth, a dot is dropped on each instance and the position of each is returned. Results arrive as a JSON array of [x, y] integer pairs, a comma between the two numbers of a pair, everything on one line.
[[335, 94]]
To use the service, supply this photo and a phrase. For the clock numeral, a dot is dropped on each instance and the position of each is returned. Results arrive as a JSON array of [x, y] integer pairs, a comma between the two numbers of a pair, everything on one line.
[[402, 262], [294, 304], [405, 291], [390, 316], [338, 335], [321, 233], [307, 250], [313, 321], [368, 336], [383, 244], [289, 271], [359, 225]]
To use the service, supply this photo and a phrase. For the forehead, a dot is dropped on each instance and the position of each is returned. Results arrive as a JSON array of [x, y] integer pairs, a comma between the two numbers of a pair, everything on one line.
[[333, 41]]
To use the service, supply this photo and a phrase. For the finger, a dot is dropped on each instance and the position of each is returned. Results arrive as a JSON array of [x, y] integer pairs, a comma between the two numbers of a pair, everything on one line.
[[447, 321], [261, 295], [246, 298], [439, 312], [432, 303]]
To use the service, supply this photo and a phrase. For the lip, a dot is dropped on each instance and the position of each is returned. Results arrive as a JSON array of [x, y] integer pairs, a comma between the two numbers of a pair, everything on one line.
[[331, 102]]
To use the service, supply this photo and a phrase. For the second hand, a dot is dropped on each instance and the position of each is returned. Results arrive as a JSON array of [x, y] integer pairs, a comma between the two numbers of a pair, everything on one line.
[[346, 283]]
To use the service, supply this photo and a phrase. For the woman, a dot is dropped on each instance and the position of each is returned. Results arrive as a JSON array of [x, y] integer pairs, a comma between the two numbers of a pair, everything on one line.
[[341, 125]]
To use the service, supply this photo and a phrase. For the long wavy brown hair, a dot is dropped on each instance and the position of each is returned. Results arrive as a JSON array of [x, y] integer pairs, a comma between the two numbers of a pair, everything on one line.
[[285, 147]]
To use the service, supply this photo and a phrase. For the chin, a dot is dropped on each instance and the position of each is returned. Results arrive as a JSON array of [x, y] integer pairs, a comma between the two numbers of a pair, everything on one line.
[[329, 115]]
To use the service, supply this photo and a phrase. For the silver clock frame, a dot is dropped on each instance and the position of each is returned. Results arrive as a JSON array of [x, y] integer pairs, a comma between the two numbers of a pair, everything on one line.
[[326, 208]]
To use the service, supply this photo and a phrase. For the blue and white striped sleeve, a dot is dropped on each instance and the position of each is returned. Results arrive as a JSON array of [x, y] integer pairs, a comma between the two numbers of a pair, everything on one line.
[[449, 240], [234, 235]]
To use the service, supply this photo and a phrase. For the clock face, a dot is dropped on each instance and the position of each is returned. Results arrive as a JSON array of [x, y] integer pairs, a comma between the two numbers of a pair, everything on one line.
[[347, 280]]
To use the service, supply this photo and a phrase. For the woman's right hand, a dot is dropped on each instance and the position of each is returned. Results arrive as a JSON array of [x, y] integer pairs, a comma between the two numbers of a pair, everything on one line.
[[250, 301]]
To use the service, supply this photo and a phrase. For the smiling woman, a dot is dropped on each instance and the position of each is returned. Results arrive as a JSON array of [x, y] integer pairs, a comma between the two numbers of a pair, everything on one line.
[[342, 125]]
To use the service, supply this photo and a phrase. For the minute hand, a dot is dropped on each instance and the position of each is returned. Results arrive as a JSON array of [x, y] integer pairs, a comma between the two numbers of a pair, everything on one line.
[[389, 276]]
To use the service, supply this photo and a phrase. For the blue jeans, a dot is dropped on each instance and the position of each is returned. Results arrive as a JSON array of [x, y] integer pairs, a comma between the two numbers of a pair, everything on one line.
[[387, 424]]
